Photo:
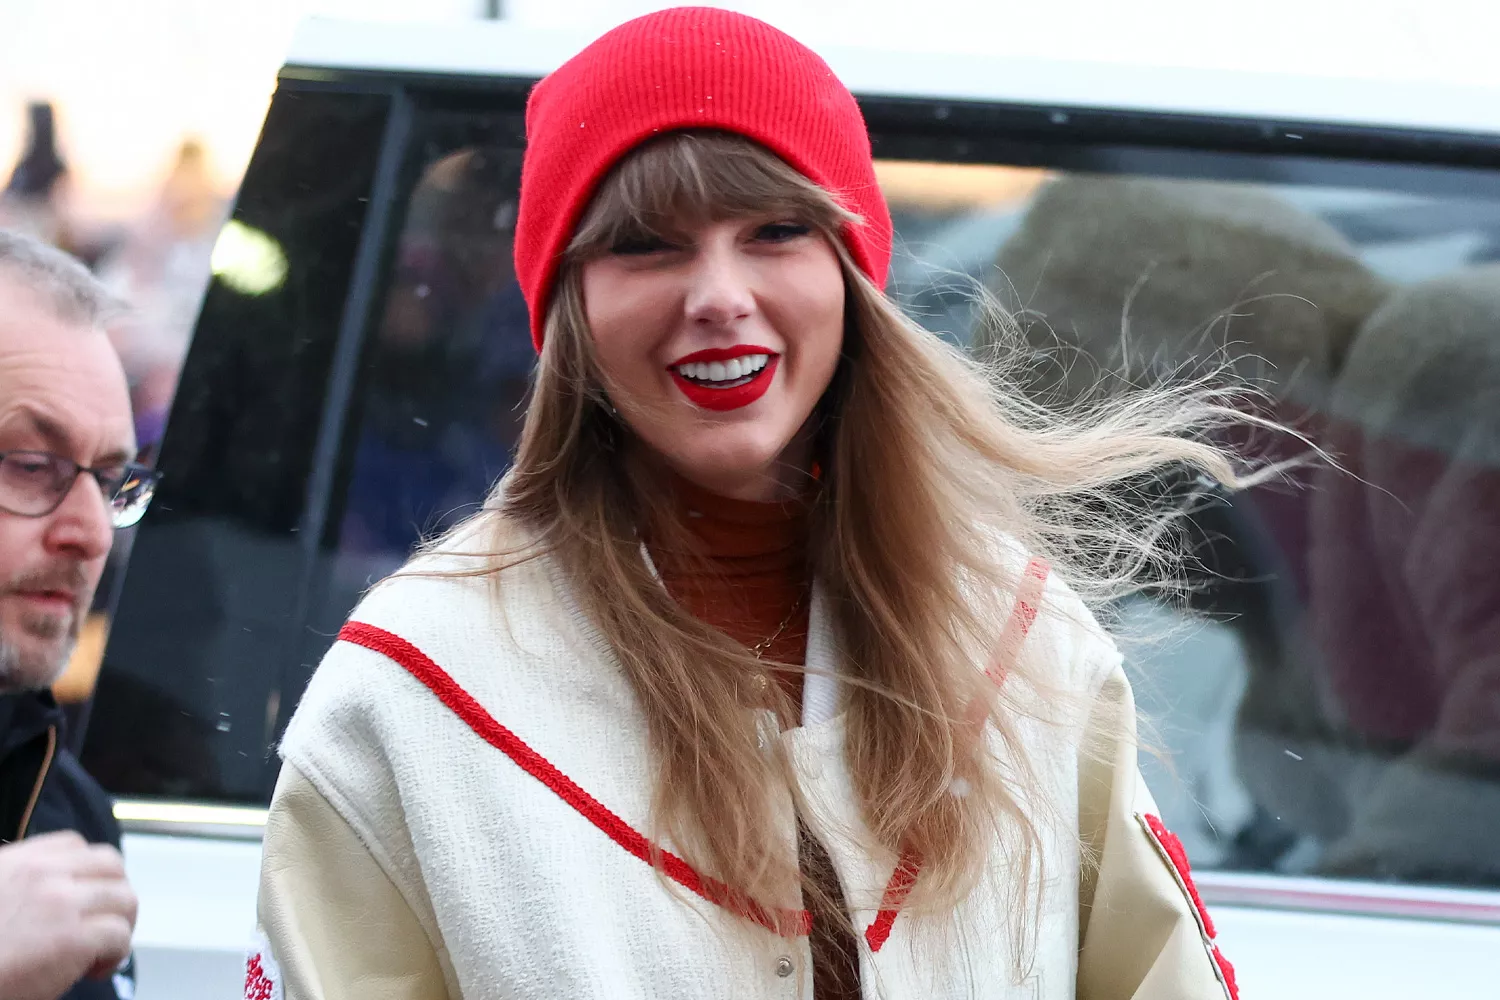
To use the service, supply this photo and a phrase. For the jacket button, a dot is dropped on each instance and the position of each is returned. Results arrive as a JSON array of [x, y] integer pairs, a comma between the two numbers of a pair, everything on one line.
[[784, 966]]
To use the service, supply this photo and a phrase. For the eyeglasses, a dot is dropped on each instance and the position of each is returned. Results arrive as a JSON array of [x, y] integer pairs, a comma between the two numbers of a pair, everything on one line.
[[34, 484]]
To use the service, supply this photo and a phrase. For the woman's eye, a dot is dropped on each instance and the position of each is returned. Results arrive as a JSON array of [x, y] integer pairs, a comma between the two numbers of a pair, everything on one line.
[[641, 244], [780, 232]]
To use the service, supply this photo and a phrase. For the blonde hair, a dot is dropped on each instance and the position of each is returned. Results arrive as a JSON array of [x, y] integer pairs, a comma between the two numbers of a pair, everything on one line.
[[936, 471]]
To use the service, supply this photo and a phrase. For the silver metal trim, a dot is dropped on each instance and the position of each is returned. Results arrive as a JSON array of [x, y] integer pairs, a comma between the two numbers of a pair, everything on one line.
[[1361, 899], [190, 819]]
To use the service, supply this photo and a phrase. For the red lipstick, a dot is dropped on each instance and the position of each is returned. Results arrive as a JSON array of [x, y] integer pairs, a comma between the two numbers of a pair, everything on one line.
[[733, 397]]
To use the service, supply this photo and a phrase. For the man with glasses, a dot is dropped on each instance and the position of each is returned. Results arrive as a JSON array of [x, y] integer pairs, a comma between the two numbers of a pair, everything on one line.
[[67, 480]]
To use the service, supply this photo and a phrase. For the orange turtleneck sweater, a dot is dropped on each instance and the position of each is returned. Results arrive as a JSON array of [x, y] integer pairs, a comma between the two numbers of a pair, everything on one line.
[[750, 579]]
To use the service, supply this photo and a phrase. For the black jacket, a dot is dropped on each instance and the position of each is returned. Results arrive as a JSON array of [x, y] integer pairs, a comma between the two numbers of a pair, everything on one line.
[[43, 789]]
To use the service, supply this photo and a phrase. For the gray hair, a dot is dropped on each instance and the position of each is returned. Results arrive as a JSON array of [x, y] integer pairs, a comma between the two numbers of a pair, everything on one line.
[[60, 278]]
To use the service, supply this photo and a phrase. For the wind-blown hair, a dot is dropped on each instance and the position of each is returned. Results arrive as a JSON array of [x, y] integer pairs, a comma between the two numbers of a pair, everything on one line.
[[936, 471]]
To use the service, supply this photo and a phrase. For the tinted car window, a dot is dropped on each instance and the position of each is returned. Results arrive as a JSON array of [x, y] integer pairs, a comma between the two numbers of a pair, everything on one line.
[[1328, 696], [446, 364], [191, 688]]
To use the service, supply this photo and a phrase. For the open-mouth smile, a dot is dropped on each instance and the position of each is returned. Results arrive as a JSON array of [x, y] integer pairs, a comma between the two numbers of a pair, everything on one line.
[[725, 378]]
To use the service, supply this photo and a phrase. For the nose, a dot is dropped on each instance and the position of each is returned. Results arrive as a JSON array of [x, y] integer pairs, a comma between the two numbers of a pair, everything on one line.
[[82, 525], [719, 289]]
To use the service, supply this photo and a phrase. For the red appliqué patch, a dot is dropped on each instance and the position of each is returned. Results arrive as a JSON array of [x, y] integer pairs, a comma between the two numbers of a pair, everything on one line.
[[1171, 850], [262, 974]]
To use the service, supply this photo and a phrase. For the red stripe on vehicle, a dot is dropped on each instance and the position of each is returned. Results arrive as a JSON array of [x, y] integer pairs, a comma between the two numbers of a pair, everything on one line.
[[783, 922], [1012, 636]]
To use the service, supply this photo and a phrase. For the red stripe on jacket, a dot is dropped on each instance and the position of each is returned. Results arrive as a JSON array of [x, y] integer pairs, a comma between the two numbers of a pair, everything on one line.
[[1022, 616], [787, 923], [784, 922]]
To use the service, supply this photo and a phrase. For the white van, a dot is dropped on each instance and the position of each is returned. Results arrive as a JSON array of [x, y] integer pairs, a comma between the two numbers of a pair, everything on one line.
[[1331, 722]]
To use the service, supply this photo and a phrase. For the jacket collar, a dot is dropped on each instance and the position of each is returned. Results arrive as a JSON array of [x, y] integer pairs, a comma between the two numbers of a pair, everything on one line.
[[25, 715]]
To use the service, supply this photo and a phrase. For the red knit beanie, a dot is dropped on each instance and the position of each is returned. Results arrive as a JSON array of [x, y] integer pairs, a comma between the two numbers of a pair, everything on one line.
[[687, 68]]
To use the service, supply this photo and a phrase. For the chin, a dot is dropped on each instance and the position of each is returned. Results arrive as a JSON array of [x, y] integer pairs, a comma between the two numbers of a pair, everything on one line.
[[746, 448], [31, 668], [716, 463]]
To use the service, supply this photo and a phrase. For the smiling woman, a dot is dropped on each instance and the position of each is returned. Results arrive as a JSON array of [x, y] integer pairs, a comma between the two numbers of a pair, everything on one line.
[[781, 598], [714, 307]]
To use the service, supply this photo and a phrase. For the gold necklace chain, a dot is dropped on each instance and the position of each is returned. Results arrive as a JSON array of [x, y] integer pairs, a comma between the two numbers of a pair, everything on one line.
[[765, 644]]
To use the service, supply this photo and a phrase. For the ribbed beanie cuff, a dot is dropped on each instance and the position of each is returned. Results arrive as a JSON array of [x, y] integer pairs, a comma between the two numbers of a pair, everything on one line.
[[687, 68]]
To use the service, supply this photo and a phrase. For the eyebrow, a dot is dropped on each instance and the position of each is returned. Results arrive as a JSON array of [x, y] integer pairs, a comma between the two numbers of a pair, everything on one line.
[[58, 437]]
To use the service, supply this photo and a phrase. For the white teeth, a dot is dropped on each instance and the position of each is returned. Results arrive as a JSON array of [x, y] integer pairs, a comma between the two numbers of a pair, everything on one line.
[[724, 371]]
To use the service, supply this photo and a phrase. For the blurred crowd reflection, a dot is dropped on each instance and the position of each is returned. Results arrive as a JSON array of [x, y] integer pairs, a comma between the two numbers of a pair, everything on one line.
[[157, 261], [1331, 700]]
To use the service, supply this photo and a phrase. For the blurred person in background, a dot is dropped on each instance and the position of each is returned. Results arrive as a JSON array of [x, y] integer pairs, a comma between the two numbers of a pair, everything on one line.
[[1406, 591], [451, 343], [67, 480], [162, 268], [33, 200]]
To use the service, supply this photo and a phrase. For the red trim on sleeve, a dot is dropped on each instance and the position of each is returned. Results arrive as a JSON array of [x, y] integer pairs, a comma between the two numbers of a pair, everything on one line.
[[1178, 855], [1226, 972], [1170, 848], [1022, 617], [783, 922]]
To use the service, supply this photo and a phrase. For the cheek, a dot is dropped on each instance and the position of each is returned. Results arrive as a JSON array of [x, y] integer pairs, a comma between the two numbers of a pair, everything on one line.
[[625, 322], [20, 546], [816, 313]]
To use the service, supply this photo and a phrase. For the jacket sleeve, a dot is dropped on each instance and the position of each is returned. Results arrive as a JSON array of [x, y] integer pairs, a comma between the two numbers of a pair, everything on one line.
[[1143, 930], [333, 926]]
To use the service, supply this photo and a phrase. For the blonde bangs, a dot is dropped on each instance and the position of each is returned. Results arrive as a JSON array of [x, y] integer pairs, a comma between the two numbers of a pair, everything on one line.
[[685, 179]]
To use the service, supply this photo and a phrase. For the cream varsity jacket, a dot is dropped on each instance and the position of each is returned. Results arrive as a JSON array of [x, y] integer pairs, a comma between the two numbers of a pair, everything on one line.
[[463, 806]]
